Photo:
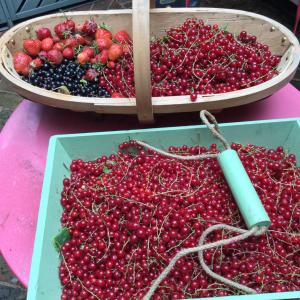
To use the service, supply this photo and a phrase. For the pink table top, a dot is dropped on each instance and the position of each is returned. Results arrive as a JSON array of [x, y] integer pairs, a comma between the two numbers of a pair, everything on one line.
[[23, 150]]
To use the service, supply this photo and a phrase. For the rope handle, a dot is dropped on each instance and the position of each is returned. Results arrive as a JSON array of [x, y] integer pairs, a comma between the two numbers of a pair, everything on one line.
[[244, 234], [210, 121]]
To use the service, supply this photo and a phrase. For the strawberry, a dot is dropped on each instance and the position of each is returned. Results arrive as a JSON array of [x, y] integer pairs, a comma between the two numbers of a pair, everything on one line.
[[111, 64], [89, 51], [80, 39], [70, 24], [59, 46], [55, 57], [122, 37], [102, 57], [103, 43], [43, 33], [71, 42], [91, 75], [47, 44], [56, 39], [32, 47], [82, 58], [64, 29], [21, 62], [103, 32], [89, 27], [36, 63], [116, 95], [115, 52], [126, 48], [68, 53], [88, 40], [60, 30], [43, 55]]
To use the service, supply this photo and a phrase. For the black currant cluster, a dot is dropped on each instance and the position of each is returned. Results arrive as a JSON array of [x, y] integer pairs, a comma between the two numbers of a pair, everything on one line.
[[68, 74]]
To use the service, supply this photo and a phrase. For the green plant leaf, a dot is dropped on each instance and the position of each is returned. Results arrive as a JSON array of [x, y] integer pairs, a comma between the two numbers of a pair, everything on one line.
[[106, 170], [165, 39], [83, 81], [104, 26], [61, 238]]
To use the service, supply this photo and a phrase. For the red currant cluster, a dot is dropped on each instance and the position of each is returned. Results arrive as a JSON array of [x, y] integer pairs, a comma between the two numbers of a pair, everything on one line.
[[129, 214], [198, 59], [202, 59]]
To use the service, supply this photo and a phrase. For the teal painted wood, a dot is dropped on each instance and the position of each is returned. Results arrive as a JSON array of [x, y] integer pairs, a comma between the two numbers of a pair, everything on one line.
[[28, 5], [5, 19], [47, 2], [44, 281], [28, 8]]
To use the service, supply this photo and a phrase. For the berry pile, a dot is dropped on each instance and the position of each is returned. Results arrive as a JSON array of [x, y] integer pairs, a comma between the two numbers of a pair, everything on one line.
[[190, 59], [202, 59], [68, 74], [129, 214]]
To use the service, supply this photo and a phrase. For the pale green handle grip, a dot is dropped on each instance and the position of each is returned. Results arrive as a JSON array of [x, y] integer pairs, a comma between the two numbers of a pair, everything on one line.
[[243, 191]]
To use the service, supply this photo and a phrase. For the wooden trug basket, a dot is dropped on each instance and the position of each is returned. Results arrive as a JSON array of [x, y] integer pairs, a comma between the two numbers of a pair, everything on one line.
[[142, 22]]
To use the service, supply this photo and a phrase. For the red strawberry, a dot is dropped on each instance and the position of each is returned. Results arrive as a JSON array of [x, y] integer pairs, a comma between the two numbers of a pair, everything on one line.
[[88, 40], [61, 30], [64, 29], [80, 39], [82, 58], [103, 43], [21, 62], [91, 75], [43, 55], [89, 51], [56, 39], [70, 24], [59, 46], [47, 44], [115, 52], [89, 27], [116, 95], [111, 64], [122, 37], [126, 48], [103, 32], [71, 42], [55, 57], [43, 33], [32, 47], [68, 53], [102, 57], [36, 63]]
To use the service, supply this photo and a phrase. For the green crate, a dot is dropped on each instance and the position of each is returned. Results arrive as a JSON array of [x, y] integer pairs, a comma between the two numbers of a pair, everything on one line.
[[44, 282]]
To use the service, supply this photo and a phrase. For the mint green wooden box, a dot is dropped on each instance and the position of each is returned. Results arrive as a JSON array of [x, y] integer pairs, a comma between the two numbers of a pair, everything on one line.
[[44, 282]]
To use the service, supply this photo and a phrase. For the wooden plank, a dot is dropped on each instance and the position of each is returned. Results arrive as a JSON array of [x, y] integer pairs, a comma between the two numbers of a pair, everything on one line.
[[141, 59], [48, 2], [29, 5]]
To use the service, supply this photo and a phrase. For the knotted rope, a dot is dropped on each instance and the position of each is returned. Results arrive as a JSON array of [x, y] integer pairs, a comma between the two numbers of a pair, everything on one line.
[[243, 233]]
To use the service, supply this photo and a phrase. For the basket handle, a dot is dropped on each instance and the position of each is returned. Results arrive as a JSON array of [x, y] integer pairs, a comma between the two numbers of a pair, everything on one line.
[[141, 59]]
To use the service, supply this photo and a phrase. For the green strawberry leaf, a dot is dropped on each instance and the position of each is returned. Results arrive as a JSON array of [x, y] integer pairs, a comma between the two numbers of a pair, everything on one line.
[[83, 81], [61, 238], [104, 26]]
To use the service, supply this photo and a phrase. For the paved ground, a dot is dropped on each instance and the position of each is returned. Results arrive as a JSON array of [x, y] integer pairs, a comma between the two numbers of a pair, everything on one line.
[[280, 10]]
